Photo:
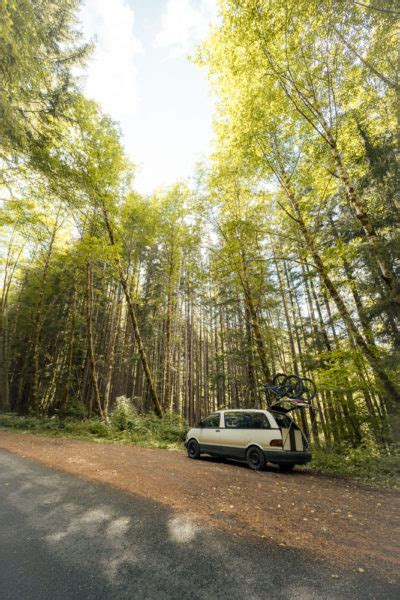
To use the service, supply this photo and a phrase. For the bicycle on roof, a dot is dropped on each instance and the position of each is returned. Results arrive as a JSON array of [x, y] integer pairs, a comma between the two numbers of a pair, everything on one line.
[[291, 386]]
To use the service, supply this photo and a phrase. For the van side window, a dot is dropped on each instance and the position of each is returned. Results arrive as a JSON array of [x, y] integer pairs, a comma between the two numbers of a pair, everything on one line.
[[245, 420], [211, 422], [260, 421], [234, 420]]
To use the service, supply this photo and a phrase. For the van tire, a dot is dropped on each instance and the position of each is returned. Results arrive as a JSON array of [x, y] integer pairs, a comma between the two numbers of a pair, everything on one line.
[[286, 467], [193, 449], [255, 458]]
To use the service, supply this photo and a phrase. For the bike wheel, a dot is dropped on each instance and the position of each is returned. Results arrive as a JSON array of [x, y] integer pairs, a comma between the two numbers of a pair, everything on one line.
[[279, 379], [294, 387], [309, 389]]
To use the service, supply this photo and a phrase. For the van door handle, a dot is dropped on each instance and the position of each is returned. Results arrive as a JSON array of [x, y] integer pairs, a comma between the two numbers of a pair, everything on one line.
[[217, 431]]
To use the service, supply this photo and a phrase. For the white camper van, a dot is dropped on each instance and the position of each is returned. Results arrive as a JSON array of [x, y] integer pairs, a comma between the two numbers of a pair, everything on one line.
[[256, 436]]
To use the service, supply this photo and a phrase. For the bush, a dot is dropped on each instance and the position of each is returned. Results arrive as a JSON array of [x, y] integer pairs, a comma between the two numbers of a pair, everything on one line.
[[367, 464], [123, 416], [170, 429]]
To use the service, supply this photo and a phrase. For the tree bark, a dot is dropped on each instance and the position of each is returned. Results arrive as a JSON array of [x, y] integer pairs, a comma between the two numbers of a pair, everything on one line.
[[90, 341], [132, 314]]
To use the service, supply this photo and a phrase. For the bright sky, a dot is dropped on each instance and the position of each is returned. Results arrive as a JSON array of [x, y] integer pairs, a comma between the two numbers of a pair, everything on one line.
[[140, 75]]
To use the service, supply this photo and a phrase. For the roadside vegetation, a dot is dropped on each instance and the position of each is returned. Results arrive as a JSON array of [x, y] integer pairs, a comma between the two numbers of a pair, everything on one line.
[[363, 464], [124, 426]]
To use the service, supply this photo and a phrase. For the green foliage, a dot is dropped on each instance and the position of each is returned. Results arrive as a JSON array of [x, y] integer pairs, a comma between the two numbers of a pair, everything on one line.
[[126, 426], [39, 45], [365, 464], [124, 417]]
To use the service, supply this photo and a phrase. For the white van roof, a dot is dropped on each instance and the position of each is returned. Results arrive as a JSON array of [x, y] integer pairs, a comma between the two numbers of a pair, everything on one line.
[[260, 410]]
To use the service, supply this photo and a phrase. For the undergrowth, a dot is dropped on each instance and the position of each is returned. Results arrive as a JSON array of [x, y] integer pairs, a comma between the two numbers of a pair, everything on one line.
[[364, 464], [125, 426]]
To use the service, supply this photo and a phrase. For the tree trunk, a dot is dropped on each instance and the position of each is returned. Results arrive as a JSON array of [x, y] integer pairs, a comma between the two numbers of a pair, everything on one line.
[[90, 342], [132, 314], [376, 244], [38, 323], [112, 349]]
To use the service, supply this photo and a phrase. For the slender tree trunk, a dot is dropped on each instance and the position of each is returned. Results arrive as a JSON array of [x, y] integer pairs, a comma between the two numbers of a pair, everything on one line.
[[38, 323], [4, 376], [251, 371], [258, 336], [70, 348], [166, 383], [287, 318], [132, 314], [354, 291], [376, 244], [90, 341], [111, 357]]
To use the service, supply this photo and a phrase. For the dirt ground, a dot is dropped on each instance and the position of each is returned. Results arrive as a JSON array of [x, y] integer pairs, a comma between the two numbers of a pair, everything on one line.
[[350, 525]]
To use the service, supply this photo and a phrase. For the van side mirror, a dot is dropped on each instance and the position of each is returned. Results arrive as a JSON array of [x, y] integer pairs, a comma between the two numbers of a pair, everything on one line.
[[200, 424]]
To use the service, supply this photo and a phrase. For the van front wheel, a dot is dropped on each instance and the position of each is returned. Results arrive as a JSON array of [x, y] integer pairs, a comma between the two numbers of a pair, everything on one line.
[[255, 458], [193, 449]]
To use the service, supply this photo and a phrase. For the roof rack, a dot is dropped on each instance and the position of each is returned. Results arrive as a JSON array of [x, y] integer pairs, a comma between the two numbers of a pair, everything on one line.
[[295, 403]]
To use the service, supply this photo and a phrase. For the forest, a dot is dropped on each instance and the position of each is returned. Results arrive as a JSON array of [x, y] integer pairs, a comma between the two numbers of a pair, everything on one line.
[[280, 254]]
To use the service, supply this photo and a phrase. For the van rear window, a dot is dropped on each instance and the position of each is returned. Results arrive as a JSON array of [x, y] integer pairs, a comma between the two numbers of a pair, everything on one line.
[[284, 422]]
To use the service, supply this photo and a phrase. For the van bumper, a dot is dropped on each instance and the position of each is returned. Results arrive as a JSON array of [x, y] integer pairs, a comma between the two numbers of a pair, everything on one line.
[[286, 457]]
